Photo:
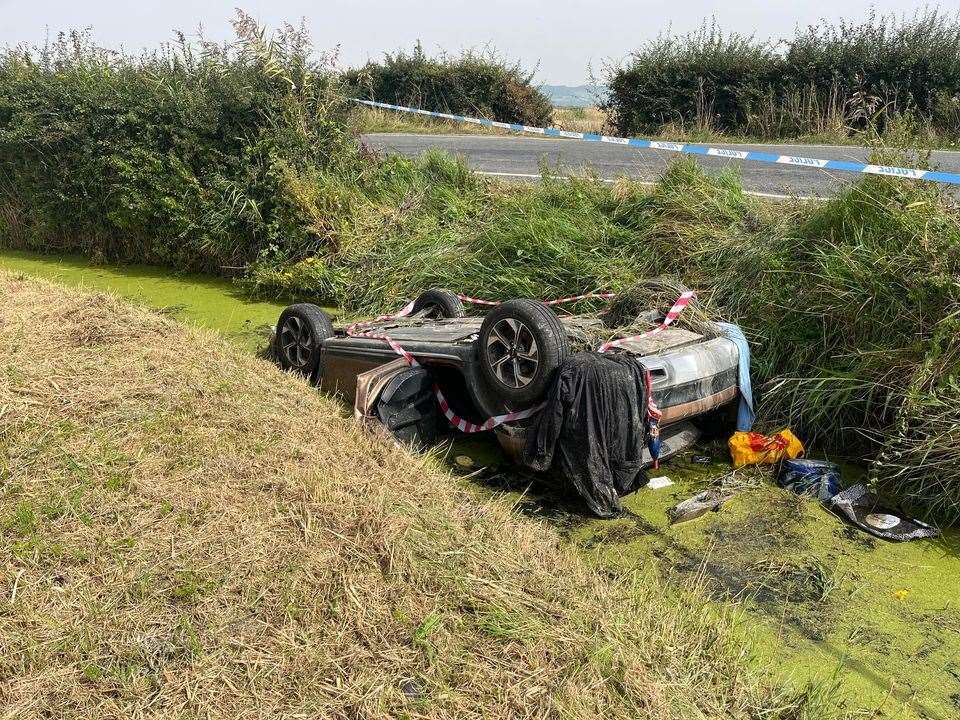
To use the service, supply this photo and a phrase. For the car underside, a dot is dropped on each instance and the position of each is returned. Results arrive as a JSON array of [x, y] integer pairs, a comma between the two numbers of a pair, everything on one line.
[[501, 362]]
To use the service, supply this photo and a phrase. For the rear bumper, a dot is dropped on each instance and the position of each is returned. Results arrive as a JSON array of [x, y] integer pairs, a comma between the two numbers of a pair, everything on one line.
[[694, 379]]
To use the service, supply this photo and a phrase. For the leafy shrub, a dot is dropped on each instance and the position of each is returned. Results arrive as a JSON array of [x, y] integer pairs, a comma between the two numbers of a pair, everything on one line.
[[704, 79], [470, 84], [840, 77], [177, 157]]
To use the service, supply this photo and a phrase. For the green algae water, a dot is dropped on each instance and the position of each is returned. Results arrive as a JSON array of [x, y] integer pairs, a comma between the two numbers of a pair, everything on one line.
[[209, 302], [820, 599]]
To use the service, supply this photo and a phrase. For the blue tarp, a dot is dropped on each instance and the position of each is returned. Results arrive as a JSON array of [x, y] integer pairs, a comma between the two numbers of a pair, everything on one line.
[[745, 414]]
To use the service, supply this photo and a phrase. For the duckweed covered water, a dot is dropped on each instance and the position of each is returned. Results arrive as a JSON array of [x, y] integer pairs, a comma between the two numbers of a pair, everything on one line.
[[820, 598], [201, 300]]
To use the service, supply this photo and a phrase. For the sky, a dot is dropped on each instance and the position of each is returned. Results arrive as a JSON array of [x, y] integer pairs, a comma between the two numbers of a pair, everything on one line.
[[562, 38]]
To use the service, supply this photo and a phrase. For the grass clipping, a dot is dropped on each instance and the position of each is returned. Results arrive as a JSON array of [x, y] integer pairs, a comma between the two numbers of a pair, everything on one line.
[[189, 532]]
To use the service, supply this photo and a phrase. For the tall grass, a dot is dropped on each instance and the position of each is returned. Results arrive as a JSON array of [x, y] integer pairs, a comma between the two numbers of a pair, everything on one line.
[[828, 80]]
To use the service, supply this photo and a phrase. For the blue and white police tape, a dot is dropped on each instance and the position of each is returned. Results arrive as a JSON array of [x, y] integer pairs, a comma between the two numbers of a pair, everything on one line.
[[690, 148]]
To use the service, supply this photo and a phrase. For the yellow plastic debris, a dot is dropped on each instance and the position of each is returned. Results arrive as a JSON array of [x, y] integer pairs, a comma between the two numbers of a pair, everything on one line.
[[750, 448]]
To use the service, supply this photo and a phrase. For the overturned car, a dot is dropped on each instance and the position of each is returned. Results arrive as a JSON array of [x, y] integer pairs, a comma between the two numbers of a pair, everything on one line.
[[512, 362]]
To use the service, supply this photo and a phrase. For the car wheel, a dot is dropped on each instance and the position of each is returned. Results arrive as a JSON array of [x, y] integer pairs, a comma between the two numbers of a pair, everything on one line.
[[301, 331], [408, 409], [521, 343], [439, 304]]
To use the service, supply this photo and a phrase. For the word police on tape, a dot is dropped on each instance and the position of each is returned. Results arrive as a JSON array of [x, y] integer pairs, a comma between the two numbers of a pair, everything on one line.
[[948, 178]]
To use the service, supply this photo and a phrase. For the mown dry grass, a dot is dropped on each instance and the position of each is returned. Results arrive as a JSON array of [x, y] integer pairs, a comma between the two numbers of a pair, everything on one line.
[[375, 120], [187, 532]]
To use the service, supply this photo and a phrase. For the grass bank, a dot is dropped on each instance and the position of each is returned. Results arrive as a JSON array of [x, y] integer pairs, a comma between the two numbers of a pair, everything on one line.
[[194, 533]]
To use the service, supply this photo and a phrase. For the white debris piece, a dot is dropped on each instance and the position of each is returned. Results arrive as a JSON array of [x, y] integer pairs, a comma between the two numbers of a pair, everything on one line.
[[659, 482]]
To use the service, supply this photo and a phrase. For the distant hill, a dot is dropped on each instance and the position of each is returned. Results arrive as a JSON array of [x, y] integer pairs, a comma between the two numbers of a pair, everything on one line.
[[573, 95]]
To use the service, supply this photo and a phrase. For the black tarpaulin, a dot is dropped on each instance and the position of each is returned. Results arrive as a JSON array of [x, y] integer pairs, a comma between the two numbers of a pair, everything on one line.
[[593, 428]]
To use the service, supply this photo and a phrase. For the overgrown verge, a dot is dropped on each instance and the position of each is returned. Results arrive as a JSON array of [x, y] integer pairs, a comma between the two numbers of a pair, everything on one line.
[[477, 84], [195, 534], [828, 81], [248, 164]]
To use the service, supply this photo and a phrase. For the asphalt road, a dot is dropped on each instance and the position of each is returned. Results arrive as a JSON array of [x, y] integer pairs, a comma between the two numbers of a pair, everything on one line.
[[521, 157]]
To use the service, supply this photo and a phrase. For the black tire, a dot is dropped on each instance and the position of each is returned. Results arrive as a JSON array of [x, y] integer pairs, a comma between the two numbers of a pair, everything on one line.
[[521, 345], [438, 304], [408, 409], [301, 330]]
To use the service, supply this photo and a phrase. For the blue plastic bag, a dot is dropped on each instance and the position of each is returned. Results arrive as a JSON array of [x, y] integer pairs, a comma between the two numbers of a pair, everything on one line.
[[816, 478]]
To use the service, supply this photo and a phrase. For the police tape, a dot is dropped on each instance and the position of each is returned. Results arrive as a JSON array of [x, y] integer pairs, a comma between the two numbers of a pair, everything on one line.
[[938, 176], [672, 314], [467, 426]]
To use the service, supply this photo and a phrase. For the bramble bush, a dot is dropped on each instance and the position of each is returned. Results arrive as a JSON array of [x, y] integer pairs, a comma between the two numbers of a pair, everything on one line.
[[829, 79], [469, 84]]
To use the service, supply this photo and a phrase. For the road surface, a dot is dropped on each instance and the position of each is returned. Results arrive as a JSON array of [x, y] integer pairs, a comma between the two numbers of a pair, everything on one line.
[[520, 158]]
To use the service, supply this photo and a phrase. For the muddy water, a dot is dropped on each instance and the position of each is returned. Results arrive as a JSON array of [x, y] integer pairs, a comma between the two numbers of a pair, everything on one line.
[[821, 599]]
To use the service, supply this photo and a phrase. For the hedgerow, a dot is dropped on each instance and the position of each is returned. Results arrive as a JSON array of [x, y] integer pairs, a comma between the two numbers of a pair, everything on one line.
[[829, 79], [469, 84], [178, 157]]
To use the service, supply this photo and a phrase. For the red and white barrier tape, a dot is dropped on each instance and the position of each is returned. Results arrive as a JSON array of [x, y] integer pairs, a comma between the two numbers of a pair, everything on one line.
[[672, 315], [467, 426], [354, 331], [653, 412]]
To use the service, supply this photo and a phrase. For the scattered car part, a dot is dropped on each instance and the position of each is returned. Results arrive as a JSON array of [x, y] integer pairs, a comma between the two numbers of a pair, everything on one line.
[[300, 333], [709, 500], [438, 304], [722, 489], [522, 344], [817, 478], [864, 509]]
